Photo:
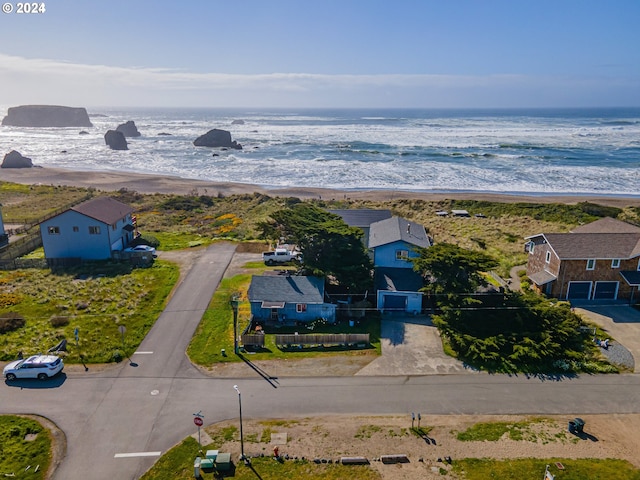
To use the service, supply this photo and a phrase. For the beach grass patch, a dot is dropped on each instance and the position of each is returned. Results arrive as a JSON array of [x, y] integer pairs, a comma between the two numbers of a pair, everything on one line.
[[25, 448], [534, 469], [96, 299]]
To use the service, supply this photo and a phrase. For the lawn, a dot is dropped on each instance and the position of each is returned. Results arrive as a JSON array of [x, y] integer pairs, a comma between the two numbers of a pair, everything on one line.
[[215, 332], [25, 448], [96, 299], [534, 468], [177, 464]]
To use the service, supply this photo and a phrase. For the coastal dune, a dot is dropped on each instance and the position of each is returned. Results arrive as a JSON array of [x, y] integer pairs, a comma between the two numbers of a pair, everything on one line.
[[146, 183]]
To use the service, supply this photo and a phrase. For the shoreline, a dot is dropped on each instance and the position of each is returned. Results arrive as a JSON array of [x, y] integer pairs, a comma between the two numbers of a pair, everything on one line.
[[150, 183]]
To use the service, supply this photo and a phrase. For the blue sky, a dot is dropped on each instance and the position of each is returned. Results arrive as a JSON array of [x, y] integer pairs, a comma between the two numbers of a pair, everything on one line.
[[330, 53]]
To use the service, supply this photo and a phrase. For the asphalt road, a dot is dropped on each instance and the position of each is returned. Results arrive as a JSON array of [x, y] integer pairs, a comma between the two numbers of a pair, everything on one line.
[[111, 418]]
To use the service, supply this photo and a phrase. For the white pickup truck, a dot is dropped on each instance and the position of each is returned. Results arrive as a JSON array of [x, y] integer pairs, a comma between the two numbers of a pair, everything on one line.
[[280, 255]]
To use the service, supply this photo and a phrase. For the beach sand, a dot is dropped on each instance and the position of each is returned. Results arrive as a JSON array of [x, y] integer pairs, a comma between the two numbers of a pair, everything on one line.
[[145, 183]]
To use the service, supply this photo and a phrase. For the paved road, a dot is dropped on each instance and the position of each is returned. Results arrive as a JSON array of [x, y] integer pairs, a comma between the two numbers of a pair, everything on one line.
[[149, 407]]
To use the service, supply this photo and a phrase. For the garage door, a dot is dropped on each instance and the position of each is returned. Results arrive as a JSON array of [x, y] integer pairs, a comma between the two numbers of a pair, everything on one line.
[[579, 290], [606, 290], [395, 302]]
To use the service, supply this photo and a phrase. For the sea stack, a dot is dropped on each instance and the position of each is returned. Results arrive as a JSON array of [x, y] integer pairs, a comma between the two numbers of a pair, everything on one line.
[[217, 138], [115, 140], [15, 159], [128, 129], [46, 116]]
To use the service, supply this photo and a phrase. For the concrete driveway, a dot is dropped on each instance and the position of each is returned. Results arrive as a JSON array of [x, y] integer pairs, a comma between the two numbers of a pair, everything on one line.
[[618, 319], [411, 345]]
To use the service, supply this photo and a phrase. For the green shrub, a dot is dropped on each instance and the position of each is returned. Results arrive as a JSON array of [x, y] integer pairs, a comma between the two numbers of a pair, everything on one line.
[[11, 321]]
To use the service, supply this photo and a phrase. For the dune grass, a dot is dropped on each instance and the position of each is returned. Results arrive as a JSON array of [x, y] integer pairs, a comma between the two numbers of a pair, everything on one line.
[[534, 468], [96, 299], [25, 448]]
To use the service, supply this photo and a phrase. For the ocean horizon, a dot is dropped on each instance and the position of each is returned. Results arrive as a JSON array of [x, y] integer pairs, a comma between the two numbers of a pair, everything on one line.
[[562, 151]]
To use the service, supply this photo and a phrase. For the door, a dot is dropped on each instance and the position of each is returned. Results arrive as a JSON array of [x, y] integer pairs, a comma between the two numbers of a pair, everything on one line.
[[579, 290], [606, 290]]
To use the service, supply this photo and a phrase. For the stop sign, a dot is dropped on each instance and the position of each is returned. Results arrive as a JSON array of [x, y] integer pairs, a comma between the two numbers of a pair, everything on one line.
[[198, 421]]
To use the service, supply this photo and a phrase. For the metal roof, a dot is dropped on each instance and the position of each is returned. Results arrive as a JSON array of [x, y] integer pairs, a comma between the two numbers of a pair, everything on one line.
[[362, 217]]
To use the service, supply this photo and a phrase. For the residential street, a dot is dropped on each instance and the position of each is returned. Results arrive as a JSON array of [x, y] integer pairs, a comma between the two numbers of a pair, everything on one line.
[[119, 420]]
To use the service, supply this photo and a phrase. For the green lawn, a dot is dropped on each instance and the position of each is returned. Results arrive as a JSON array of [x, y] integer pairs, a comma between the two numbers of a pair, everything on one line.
[[215, 332], [25, 448], [534, 468], [177, 464], [96, 299]]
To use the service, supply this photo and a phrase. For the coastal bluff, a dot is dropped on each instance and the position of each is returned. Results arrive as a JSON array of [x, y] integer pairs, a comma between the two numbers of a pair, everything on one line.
[[46, 116]]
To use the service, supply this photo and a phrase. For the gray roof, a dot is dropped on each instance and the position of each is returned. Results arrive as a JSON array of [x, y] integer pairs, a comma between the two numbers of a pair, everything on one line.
[[594, 245], [607, 225], [542, 278], [632, 277], [104, 209], [395, 229], [289, 289], [362, 217]]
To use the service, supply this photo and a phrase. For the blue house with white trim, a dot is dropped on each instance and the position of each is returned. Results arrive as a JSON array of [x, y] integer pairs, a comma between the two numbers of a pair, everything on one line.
[[91, 230], [289, 298], [393, 242]]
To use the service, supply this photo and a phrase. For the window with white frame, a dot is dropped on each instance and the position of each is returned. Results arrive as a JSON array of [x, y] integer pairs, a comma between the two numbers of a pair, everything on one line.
[[591, 264], [53, 230], [547, 257], [531, 246], [301, 307], [94, 230], [615, 263], [402, 254]]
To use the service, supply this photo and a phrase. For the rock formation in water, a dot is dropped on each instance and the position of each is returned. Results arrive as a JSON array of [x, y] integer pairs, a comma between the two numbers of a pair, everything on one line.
[[217, 138], [15, 159], [115, 140], [46, 116], [128, 129]]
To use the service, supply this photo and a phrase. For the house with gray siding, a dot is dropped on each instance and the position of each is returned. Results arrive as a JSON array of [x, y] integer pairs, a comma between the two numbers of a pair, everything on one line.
[[91, 230], [596, 261], [284, 299]]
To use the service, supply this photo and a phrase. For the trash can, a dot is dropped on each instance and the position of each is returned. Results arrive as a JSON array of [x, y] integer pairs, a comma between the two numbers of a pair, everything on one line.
[[572, 426], [196, 467], [579, 423]]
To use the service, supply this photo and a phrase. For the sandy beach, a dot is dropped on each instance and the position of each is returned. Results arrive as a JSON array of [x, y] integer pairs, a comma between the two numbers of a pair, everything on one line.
[[144, 183]]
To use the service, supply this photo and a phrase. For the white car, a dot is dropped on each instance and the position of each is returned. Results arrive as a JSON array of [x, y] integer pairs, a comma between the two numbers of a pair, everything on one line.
[[142, 248], [36, 366]]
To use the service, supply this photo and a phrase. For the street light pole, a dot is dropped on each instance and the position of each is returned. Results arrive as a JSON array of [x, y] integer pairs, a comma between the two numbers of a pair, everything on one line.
[[234, 307], [242, 457]]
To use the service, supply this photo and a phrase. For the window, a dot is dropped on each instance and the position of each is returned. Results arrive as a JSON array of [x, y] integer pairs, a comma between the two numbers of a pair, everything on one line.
[[54, 230], [615, 263], [402, 254], [547, 258], [591, 264], [530, 247], [301, 307], [76, 229], [94, 230]]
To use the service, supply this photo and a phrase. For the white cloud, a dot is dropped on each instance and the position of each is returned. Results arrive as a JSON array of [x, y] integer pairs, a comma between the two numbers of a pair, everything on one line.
[[26, 80]]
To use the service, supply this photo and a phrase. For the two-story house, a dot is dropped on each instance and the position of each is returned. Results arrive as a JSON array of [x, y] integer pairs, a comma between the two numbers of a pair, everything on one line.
[[600, 260], [91, 230], [394, 243]]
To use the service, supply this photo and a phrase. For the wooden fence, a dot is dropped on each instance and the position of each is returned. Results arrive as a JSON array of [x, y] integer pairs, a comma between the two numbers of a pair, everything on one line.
[[318, 339], [253, 340]]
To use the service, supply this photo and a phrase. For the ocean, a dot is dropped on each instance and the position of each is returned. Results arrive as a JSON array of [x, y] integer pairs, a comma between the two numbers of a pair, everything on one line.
[[533, 151]]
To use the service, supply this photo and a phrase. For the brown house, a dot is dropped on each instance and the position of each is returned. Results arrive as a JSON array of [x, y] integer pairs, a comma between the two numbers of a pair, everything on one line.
[[600, 260]]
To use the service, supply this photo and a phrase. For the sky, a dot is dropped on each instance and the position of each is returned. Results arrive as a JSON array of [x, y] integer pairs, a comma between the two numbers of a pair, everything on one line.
[[322, 54]]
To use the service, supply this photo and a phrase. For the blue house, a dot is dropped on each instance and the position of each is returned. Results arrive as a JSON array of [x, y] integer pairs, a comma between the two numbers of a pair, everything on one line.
[[89, 231], [289, 298], [393, 242]]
